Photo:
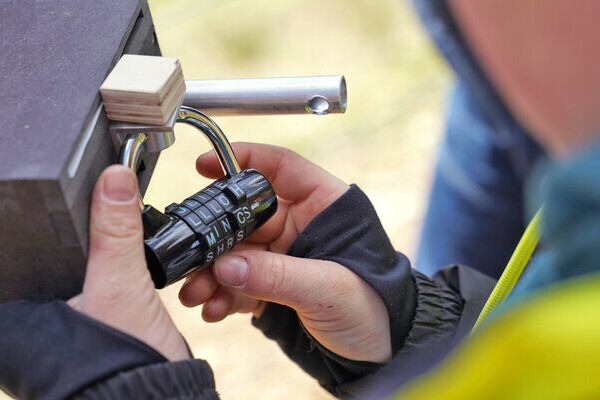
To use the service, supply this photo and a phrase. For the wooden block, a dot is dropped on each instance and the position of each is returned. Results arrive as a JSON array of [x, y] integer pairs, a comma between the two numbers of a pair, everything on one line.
[[146, 114], [143, 89]]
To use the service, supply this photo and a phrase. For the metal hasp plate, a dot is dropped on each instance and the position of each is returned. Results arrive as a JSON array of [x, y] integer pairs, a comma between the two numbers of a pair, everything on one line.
[[54, 139]]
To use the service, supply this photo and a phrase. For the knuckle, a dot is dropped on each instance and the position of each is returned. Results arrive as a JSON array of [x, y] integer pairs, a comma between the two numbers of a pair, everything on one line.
[[284, 160], [197, 291], [116, 224], [276, 275], [109, 230], [280, 165], [127, 248]]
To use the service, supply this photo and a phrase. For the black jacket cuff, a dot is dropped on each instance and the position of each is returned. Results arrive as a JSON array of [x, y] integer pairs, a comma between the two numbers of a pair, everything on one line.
[[184, 380], [50, 351]]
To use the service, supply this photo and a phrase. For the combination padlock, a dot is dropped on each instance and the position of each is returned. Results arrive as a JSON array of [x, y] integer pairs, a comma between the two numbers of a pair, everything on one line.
[[192, 234]]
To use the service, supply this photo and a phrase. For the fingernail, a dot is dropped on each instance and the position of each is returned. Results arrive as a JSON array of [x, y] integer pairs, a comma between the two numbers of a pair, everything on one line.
[[232, 271], [119, 185]]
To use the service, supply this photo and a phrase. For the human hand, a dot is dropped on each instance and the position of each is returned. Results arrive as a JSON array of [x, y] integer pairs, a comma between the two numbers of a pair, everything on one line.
[[337, 307], [118, 290]]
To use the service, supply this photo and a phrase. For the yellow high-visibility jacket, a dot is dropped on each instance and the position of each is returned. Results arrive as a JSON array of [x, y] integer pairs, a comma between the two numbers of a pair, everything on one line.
[[545, 348]]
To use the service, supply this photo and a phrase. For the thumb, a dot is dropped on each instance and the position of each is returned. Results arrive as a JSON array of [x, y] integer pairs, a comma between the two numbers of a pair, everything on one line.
[[116, 253], [278, 278], [118, 290]]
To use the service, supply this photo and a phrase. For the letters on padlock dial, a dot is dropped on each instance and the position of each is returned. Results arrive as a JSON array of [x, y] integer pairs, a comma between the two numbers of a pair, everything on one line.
[[194, 233]]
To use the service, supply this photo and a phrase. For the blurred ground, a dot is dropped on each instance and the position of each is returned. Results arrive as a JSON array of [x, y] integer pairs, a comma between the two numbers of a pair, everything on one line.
[[385, 142]]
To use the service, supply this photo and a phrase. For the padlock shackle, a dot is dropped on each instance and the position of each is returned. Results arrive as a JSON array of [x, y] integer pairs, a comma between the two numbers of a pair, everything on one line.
[[214, 134], [130, 155], [132, 146]]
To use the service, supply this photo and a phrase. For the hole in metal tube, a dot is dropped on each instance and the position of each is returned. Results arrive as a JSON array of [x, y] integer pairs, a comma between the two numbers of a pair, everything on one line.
[[318, 105], [343, 95]]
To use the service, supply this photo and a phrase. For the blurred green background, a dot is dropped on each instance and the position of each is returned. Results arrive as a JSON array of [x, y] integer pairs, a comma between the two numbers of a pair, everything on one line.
[[385, 142]]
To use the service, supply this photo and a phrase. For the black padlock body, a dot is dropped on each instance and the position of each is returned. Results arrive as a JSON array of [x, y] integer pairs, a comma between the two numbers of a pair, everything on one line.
[[192, 234]]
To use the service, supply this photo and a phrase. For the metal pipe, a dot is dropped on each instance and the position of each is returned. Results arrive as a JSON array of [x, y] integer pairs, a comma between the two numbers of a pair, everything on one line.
[[268, 96], [216, 136]]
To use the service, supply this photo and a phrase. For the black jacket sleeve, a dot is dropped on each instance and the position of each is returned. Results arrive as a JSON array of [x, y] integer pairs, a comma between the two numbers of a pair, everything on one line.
[[49, 351], [184, 380], [424, 313]]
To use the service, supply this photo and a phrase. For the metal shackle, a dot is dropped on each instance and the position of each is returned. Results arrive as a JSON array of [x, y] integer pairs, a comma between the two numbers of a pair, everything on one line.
[[133, 145]]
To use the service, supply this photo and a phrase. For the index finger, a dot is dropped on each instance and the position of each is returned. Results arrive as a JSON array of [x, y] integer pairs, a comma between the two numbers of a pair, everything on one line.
[[293, 177]]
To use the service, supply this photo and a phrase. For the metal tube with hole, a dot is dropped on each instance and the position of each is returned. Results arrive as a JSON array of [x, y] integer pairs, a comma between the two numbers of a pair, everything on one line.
[[268, 96]]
